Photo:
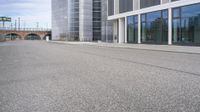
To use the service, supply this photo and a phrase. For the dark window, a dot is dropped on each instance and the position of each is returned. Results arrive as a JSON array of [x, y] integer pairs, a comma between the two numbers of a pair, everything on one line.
[[148, 3], [96, 19], [110, 7], [125, 5], [132, 29]]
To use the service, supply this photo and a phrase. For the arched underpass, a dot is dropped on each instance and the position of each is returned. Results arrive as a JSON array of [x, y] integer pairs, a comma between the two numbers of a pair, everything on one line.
[[32, 37], [13, 36], [49, 35]]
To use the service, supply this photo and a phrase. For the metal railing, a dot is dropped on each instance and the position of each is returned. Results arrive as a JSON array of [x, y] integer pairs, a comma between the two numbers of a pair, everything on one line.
[[24, 29]]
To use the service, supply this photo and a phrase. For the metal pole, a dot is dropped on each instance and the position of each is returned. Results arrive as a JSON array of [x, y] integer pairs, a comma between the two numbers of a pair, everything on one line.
[[37, 25], [3, 24], [15, 24], [24, 25], [19, 23]]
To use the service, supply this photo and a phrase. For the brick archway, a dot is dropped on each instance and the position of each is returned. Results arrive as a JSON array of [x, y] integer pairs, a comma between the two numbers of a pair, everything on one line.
[[33, 34], [13, 34], [23, 34]]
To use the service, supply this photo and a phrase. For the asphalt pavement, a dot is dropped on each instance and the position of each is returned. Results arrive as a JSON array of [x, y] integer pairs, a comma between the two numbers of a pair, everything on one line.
[[36, 76]]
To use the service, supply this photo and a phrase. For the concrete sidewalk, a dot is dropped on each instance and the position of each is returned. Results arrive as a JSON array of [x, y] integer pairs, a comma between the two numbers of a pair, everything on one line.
[[164, 48]]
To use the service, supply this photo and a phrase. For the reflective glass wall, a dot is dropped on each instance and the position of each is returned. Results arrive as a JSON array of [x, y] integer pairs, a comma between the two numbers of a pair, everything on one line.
[[59, 19], [106, 26], [96, 20], [186, 25], [73, 19], [154, 27], [132, 29]]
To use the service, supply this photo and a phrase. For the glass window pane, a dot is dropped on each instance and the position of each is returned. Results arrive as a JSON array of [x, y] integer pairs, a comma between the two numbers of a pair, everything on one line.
[[155, 28], [143, 18], [110, 7], [130, 29], [176, 30], [165, 14], [186, 28], [125, 5], [176, 12]]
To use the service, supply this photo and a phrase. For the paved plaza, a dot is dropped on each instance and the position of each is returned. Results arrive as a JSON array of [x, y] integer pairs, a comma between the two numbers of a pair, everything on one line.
[[36, 76]]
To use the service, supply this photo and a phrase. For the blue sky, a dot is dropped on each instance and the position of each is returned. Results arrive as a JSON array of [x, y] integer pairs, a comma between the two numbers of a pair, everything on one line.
[[30, 12]]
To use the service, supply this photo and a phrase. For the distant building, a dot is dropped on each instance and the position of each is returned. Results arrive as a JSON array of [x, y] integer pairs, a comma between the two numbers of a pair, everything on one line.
[[80, 20], [155, 21]]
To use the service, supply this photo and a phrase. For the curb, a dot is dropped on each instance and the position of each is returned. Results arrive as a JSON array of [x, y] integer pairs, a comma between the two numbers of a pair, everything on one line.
[[125, 47]]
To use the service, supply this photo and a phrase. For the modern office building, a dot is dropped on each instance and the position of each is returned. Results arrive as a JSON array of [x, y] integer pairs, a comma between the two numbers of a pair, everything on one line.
[[155, 21], [81, 20]]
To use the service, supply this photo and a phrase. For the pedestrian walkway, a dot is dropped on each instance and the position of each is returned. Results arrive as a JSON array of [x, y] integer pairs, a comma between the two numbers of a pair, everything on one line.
[[164, 48]]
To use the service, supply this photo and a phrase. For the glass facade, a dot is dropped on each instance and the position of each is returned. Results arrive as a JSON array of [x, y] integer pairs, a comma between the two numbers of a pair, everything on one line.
[[132, 29], [73, 20], [106, 26], [154, 27], [59, 19], [96, 20], [186, 25], [79, 20]]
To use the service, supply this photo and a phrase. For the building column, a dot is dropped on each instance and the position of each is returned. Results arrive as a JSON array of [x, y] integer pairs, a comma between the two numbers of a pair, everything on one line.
[[170, 26], [125, 33], [121, 30], [139, 29]]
